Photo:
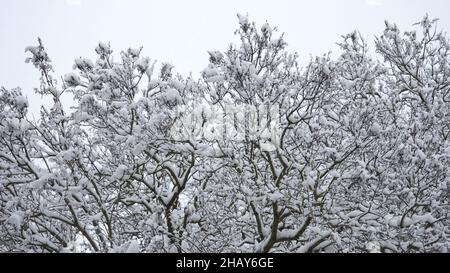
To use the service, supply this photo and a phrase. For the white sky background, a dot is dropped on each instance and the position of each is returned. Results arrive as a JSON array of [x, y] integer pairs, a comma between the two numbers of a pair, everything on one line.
[[182, 31]]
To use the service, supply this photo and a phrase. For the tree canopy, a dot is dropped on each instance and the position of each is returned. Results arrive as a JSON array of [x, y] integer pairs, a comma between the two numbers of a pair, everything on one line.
[[346, 154]]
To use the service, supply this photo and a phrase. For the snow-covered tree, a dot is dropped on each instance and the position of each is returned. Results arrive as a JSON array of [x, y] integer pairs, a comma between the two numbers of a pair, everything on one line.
[[259, 155]]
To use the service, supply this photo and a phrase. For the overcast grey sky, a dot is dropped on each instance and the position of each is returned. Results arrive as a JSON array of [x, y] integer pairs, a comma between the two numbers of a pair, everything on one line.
[[181, 32]]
